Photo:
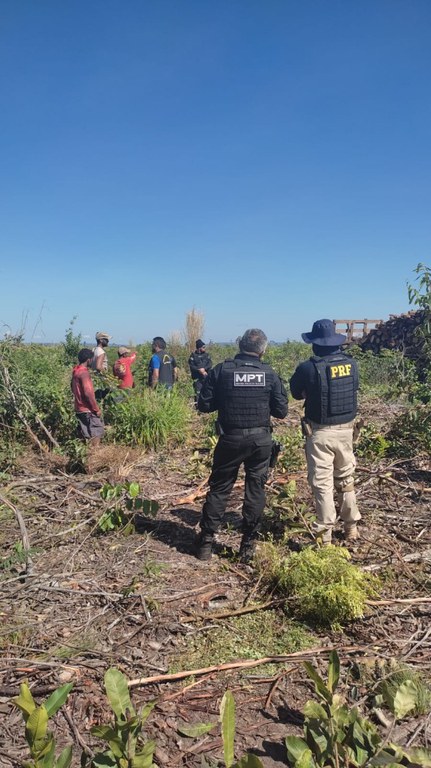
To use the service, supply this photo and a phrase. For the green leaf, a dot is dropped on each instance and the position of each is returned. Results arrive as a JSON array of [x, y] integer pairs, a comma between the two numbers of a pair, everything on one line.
[[117, 691], [35, 729], [104, 732], [298, 752], [144, 758], [314, 711], [134, 489], [405, 699], [146, 711], [150, 507], [65, 758], [46, 755], [25, 701], [194, 731], [103, 760], [227, 717], [57, 699], [333, 671], [249, 761], [319, 684], [112, 737]]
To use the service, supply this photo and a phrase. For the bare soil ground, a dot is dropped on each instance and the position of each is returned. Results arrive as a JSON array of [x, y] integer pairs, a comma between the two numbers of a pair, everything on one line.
[[139, 602]]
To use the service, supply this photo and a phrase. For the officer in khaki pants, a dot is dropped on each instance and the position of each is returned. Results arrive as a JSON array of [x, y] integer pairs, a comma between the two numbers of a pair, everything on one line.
[[328, 382]]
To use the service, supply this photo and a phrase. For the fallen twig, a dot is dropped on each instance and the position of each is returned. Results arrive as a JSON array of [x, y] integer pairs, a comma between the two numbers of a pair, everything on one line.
[[243, 664], [24, 534], [238, 611], [400, 600]]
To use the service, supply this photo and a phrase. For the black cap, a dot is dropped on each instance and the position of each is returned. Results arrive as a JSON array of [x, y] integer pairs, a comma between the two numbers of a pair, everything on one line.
[[200, 343], [323, 334]]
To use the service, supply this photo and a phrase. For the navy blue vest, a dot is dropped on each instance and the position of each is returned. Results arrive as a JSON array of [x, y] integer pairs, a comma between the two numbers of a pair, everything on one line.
[[333, 399]]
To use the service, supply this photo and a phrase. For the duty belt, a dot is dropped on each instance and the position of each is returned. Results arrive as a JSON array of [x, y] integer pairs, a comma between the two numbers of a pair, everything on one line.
[[247, 431]]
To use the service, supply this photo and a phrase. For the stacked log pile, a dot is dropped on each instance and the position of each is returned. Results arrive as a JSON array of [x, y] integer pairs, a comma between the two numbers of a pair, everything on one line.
[[399, 332]]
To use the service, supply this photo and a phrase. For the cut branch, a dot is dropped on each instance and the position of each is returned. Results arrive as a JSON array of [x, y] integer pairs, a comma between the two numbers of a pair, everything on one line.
[[243, 664]]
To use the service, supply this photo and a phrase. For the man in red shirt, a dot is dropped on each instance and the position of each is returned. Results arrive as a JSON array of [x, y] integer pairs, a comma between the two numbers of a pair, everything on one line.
[[122, 368], [87, 410]]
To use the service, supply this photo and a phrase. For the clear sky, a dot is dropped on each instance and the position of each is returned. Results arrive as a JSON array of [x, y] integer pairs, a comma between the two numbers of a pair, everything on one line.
[[265, 161]]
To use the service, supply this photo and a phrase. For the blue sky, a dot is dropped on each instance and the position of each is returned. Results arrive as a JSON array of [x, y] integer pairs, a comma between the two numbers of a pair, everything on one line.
[[267, 162]]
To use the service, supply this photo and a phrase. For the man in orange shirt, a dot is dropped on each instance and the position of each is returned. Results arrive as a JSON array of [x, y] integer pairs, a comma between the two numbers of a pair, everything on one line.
[[87, 410], [122, 368]]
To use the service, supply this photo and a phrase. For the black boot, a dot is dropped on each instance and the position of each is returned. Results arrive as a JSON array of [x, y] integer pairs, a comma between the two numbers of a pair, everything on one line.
[[247, 548], [205, 546]]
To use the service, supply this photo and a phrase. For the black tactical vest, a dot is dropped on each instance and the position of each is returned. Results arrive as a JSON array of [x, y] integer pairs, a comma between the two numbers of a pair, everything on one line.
[[333, 398], [166, 372], [199, 360], [243, 394]]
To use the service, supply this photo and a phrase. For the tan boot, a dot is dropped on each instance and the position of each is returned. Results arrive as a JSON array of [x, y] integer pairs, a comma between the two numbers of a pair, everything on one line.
[[351, 534]]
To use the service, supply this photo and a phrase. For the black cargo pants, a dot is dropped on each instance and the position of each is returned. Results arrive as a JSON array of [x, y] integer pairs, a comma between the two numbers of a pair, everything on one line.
[[253, 448]]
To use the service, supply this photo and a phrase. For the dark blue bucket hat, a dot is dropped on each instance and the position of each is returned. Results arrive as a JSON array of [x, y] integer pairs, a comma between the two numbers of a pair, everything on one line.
[[323, 334]]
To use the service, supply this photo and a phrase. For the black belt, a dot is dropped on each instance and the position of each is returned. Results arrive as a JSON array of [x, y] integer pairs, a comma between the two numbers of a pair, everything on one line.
[[247, 431]]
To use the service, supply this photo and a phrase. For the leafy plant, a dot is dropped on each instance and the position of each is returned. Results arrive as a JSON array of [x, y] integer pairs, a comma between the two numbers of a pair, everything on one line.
[[124, 737], [41, 741], [323, 585], [292, 456], [126, 502], [372, 444], [403, 690], [336, 735], [227, 721], [410, 434]]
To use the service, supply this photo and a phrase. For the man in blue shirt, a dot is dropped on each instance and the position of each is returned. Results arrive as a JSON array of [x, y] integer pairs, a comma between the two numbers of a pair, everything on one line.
[[162, 368]]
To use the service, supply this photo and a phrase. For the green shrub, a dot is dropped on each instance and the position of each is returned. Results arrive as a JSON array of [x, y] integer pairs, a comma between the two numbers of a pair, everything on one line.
[[336, 736], [372, 444], [411, 432], [292, 455], [389, 373], [152, 418], [35, 383], [324, 587]]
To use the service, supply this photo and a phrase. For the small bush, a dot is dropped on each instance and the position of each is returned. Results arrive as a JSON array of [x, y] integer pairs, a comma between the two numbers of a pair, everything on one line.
[[411, 433], [292, 456], [152, 418], [389, 373], [372, 444], [324, 587]]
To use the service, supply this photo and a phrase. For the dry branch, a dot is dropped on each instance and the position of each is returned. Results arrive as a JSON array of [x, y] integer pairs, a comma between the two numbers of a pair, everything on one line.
[[24, 534], [243, 664]]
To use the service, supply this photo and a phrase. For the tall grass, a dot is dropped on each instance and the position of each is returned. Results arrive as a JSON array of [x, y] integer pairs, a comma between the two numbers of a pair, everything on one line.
[[151, 418]]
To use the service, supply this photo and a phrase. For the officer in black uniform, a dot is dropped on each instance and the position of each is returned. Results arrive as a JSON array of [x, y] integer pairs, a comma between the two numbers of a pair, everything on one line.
[[329, 382], [200, 365], [246, 393]]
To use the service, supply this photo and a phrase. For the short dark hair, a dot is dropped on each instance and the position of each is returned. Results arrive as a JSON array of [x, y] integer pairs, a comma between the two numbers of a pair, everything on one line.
[[159, 342], [253, 340], [85, 354]]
